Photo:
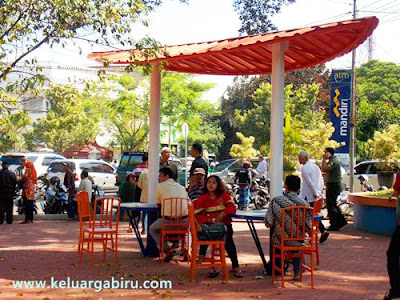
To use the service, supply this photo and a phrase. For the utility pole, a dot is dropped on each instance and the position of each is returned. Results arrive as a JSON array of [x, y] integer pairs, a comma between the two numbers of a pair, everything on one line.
[[353, 110]]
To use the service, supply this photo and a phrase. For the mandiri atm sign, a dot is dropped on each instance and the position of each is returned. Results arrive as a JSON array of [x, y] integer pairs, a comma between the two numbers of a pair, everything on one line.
[[341, 110]]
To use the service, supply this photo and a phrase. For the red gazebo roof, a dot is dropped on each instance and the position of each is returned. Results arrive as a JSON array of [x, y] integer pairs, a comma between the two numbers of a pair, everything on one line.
[[84, 151], [251, 55]]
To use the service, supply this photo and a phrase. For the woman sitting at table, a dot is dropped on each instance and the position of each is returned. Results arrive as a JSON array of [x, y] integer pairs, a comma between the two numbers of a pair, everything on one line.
[[215, 205]]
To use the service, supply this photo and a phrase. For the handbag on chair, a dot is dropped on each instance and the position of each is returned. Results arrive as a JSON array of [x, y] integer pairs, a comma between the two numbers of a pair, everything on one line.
[[211, 232]]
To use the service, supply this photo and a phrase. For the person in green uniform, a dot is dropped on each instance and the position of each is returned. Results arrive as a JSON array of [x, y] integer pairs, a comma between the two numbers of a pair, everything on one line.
[[127, 191], [333, 180]]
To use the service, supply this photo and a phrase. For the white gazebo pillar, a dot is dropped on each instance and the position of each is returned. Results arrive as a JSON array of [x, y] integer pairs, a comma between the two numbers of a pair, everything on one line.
[[277, 107], [154, 132]]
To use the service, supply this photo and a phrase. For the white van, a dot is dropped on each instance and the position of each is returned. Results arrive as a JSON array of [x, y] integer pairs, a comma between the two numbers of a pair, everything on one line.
[[102, 172]]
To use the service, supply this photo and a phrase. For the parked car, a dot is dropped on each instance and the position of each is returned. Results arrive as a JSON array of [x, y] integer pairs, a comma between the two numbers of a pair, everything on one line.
[[41, 160], [367, 168], [129, 160], [102, 172], [227, 169]]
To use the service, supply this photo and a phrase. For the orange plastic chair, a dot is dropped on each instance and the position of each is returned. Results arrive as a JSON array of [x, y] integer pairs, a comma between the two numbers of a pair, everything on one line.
[[294, 217], [217, 258], [102, 230], [316, 210], [177, 227]]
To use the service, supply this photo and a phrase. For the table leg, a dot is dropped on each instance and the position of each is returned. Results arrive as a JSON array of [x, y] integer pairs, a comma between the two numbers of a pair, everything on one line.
[[257, 242], [135, 227]]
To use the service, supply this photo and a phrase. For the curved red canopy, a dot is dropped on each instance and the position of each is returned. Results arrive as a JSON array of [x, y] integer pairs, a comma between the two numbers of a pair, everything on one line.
[[251, 55]]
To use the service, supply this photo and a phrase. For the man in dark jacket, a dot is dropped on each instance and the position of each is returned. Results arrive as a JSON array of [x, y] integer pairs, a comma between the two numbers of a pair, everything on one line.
[[243, 177], [8, 181], [199, 161], [69, 182]]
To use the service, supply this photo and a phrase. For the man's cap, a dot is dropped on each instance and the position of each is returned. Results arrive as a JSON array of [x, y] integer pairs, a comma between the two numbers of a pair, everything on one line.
[[199, 171], [303, 153], [165, 149]]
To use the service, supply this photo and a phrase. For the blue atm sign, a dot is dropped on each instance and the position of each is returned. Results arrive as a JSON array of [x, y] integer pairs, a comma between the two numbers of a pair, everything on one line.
[[341, 107]]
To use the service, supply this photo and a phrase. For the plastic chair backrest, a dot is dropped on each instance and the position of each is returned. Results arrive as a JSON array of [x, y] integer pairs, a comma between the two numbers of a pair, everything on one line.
[[107, 206], [294, 224], [84, 208], [175, 208], [192, 221], [318, 205]]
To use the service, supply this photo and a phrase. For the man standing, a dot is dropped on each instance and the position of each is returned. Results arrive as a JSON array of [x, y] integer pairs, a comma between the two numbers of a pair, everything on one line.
[[333, 179], [196, 185], [199, 161], [262, 167], [69, 182], [393, 252], [164, 162], [243, 177], [312, 184], [8, 181], [167, 188]]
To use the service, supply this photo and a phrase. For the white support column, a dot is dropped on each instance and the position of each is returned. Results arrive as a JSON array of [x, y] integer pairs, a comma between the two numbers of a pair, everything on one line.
[[154, 132], [277, 107]]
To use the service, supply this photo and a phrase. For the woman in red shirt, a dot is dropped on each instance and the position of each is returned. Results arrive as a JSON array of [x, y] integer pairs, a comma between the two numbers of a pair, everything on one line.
[[215, 205]]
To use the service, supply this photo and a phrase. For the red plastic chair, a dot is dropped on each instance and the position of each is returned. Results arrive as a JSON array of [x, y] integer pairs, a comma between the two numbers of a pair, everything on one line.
[[294, 217], [316, 210], [102, 230], [177, 228], [217, 258]]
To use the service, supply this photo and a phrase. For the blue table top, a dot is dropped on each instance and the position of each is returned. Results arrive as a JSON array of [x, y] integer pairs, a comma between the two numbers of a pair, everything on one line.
[[139, 206]]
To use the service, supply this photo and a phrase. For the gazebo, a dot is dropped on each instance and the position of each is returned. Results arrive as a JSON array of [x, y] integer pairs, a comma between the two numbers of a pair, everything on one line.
[[275, 52]]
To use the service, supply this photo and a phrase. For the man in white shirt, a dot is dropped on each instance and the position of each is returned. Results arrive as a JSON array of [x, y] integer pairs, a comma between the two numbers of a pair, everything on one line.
[[262, 167], [168, 188], [86, 184], [312, 184]]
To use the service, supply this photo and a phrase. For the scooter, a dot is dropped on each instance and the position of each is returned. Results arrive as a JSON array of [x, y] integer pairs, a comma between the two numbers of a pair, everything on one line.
[[262, 197], [56, 198]]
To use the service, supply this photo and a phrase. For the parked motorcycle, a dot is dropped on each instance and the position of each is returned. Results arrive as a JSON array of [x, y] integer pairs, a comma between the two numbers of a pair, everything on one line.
[[56, 197], [261, 197], [19, 202]]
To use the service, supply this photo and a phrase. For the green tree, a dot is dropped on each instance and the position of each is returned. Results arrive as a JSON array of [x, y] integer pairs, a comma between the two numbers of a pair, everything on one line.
[[245, 149], [256, 15], [13, 123], [378, 101], [181, 101], [385, 146], [121, 110], [66, 123]]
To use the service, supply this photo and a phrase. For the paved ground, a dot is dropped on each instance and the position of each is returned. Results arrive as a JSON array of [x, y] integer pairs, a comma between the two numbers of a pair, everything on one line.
[[353, 266]]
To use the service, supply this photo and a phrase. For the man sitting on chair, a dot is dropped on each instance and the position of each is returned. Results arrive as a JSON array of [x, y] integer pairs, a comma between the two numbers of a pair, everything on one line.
[[273, 217], [167, 188]]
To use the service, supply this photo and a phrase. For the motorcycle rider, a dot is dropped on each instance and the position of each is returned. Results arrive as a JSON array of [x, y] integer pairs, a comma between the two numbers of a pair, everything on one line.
[[69, 182], [244, 178], [8, 181]]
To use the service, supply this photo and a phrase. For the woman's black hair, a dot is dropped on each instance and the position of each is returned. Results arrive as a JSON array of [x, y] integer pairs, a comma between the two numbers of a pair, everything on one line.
[[220, 185]]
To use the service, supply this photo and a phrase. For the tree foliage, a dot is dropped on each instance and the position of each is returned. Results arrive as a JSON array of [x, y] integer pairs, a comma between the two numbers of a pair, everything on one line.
[[13, 123], [256, 15], [379, 101], [66, 123], [385, 146], [245, 149], [121, 110]]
